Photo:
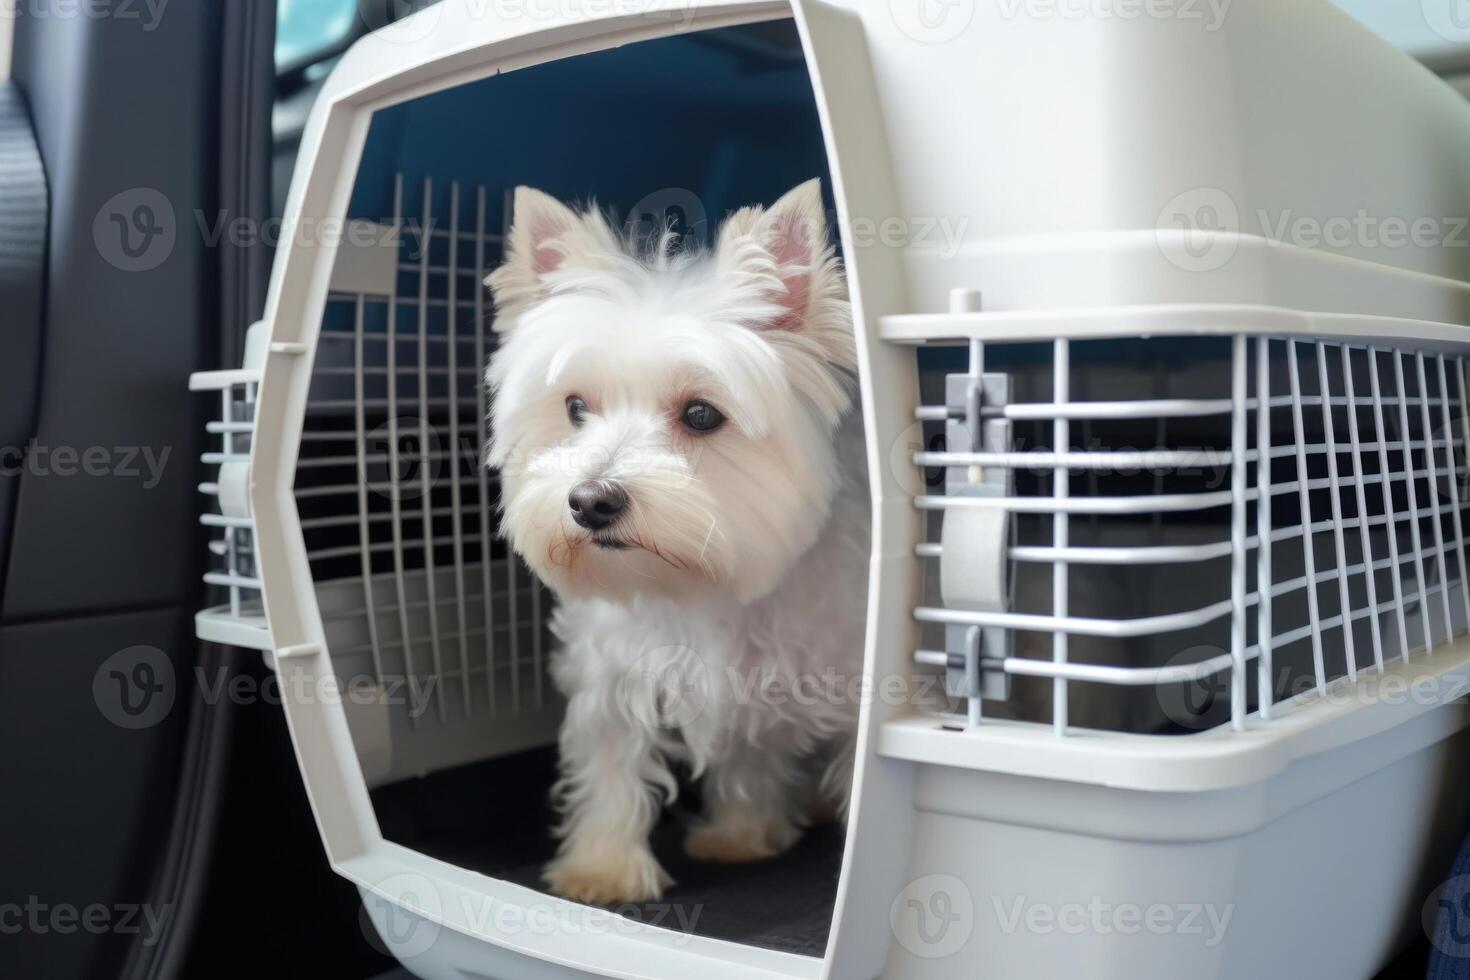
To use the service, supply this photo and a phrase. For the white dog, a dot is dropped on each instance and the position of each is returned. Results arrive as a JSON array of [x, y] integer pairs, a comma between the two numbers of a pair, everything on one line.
[[678, 463]]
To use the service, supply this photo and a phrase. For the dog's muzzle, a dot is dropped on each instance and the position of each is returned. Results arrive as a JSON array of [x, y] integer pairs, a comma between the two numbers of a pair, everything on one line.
[[597, 504]]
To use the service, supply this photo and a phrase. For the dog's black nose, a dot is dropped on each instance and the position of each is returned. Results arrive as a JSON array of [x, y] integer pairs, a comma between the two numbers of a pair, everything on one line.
[[596, 504]]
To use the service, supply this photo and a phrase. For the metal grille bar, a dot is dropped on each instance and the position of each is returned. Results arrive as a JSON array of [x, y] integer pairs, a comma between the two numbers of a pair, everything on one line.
[[482, 427], [1061, 439]]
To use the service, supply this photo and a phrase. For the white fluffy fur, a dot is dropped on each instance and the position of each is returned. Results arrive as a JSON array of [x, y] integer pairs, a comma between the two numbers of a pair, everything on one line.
[[727, 638]]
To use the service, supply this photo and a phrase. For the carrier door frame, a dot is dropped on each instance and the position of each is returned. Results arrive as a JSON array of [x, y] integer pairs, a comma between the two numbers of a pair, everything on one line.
[[421, 56], [379, 72], [875, 860]]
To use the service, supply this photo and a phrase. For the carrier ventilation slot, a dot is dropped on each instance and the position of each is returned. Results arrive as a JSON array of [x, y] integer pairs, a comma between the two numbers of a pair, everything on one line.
[[397, 512], [1299, 515]]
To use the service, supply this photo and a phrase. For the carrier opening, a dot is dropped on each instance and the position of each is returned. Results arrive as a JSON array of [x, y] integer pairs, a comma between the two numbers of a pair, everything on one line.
[[420, 595]]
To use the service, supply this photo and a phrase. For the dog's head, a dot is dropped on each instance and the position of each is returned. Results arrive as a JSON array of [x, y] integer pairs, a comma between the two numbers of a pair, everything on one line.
[[663, 422]]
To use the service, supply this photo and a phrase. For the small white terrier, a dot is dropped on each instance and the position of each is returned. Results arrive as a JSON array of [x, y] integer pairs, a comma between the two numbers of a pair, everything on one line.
[[679, 465]]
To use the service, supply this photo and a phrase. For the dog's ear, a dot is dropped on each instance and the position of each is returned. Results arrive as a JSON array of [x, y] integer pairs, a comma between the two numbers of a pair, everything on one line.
[[545, 236], [539, 224], [785, 245]]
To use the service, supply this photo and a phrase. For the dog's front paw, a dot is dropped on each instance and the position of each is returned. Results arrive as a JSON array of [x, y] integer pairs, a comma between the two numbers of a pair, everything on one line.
[[608, 877], [739, 838]]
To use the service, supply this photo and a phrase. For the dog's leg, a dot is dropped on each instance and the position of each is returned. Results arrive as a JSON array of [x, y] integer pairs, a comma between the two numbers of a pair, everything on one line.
[[609, 771], [751, 808]]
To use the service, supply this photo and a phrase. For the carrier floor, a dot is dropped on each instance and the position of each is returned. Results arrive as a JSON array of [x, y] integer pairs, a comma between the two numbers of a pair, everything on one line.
[[466, 816]]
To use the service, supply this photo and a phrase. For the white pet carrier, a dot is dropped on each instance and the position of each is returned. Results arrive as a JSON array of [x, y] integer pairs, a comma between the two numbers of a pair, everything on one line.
[[1161, 330]]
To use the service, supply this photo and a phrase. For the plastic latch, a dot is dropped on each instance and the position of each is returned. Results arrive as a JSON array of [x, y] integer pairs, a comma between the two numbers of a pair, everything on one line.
[[974, 566]]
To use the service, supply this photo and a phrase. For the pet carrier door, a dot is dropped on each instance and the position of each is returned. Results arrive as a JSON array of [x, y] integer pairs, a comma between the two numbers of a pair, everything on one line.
[[356, 529]]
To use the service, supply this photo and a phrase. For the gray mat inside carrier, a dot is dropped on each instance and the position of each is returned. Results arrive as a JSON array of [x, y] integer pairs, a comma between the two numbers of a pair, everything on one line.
[[491, 817]]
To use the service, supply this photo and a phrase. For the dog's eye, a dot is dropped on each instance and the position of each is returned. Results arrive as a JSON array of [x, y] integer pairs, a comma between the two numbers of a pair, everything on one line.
[[576, 409], [702, 417]]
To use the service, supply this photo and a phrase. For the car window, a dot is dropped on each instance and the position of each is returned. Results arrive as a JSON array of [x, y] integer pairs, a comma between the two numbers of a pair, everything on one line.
[[306, 28]]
